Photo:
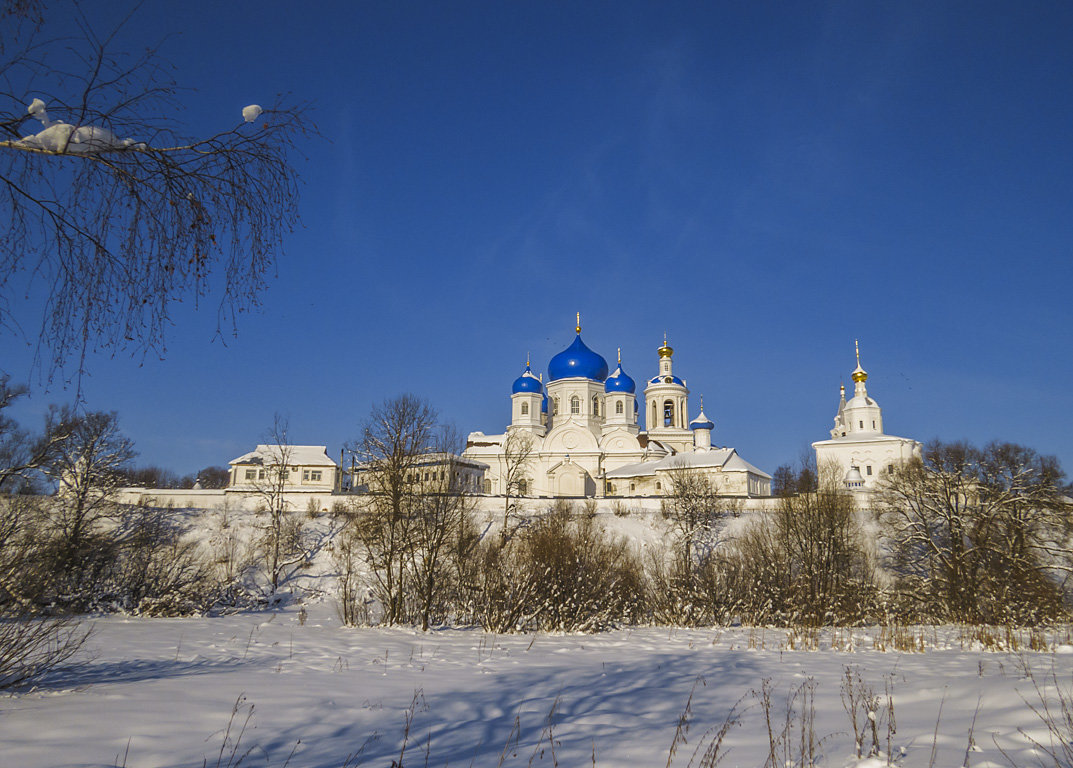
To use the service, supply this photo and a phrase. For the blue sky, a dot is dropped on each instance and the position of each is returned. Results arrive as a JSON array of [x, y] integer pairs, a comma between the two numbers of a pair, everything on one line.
[[763, 182]]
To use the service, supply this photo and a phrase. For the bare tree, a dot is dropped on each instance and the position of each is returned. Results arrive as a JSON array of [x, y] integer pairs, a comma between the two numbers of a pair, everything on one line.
[[692, 506], [212, 477], [980, 535], [398, 434], [281, 541], [519, 450], [441, 511], [86, 467], [115, 213], [22, 455]]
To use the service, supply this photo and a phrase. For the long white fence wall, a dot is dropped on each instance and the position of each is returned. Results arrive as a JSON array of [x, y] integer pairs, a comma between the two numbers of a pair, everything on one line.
[[179, 498], [325, 502]]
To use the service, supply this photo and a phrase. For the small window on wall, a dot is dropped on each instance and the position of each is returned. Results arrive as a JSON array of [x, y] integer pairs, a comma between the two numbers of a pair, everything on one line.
[[658, 486], [868, 470], [525, 409], [862, 424], [668, 413], [555, 406], [890, 469], [873, 425], [595, 405], [487, 486], [251, 474], [575, 405], [260, 474], [315, 475], [618, 407]]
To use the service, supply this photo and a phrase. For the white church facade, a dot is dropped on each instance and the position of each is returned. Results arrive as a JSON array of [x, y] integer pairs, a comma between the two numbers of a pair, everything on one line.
[[586, 439], [859, 452]]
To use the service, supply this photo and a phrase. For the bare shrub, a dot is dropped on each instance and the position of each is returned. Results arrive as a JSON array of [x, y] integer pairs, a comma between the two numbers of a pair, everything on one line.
[[495, 588], [1054, 708], [682, 594], [31, 646], [346, 557], [158, 571], [585, 580], [869, 713], [806, 563]]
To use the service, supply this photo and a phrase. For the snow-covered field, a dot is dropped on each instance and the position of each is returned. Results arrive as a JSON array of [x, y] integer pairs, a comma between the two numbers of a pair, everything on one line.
[[160, 692]]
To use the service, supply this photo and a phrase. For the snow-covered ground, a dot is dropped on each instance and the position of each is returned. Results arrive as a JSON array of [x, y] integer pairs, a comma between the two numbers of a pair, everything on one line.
[[160, 692]]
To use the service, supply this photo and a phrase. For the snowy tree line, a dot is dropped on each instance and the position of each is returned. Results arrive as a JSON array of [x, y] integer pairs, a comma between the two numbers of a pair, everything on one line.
[[966, 535]]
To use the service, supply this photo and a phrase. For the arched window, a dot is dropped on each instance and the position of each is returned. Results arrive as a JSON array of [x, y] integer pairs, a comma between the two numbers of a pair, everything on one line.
[[525, 409], [595, 405], [555, 406], [618, 407], [575, 405], [668, 413]]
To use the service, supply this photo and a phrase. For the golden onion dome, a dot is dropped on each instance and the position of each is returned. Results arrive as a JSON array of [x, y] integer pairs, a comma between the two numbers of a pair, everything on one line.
[[666, 350]]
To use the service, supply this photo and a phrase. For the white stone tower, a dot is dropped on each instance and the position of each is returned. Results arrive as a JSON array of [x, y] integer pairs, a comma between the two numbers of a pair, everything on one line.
[[667, 404]]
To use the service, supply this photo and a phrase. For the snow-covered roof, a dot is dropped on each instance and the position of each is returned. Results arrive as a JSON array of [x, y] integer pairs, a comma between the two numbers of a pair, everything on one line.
[[725, 458], [862, 437], [297, 455], [438, 459]]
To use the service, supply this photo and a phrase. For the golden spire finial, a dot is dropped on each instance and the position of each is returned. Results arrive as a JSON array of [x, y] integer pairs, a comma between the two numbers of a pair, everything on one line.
[[702, 403], [527, 358], [620, 355], [578, 329], [859, 374]]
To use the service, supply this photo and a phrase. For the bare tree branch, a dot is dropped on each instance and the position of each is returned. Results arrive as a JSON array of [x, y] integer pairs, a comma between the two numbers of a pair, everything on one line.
[[116, 215]]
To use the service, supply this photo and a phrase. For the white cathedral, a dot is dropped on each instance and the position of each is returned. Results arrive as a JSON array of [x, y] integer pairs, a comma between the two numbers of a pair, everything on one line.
[[586, 440]]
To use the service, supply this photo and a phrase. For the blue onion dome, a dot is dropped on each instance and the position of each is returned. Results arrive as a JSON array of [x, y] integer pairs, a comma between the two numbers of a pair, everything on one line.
[[619, 381], [527, 382], [702, 421], [666, 380], [577, 361]]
